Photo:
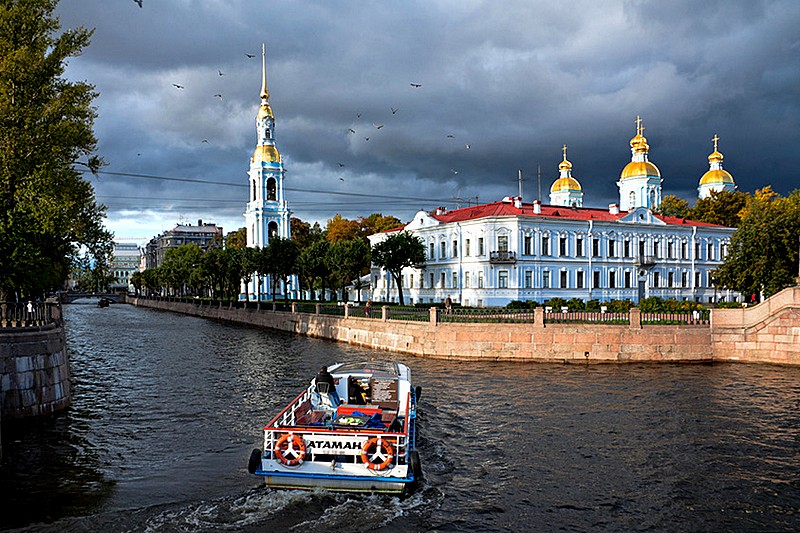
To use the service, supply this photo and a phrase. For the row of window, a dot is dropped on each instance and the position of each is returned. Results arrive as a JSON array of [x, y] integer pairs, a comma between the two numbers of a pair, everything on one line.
[[611, 280], [613, 248]]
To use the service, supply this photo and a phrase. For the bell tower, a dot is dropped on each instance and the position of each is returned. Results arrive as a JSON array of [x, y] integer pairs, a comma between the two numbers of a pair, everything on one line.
[[267, 212]]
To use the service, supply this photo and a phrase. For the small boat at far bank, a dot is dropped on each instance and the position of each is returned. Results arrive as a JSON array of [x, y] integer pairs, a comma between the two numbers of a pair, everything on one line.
[[359, 436]]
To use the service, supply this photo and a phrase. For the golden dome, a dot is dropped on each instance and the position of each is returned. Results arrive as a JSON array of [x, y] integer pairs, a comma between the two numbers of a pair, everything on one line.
[[715, 157], [264, 111], [638, 139], [636, 169], [267, 154], [715, 177], [565, 184], [565, 165]]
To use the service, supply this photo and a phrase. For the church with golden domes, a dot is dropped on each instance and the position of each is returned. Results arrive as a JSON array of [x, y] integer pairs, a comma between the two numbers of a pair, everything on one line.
[[491, 254]]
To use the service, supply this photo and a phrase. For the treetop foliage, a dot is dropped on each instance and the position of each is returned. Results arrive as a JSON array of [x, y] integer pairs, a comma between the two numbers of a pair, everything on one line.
[[47, 210]]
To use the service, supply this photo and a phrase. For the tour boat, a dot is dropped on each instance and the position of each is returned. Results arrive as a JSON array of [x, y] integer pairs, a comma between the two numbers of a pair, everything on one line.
[[367, 443]]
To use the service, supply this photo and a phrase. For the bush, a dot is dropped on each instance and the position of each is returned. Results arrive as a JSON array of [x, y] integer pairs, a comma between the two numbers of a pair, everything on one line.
[[619, 306], [556, 303], [576, 304], [520, 304], [729, 305]]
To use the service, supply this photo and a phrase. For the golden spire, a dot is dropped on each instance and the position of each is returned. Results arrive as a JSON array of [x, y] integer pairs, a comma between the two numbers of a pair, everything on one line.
[[264, 90]]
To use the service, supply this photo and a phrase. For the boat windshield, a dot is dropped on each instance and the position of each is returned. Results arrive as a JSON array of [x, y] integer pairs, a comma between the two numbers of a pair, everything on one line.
[[371, 367]]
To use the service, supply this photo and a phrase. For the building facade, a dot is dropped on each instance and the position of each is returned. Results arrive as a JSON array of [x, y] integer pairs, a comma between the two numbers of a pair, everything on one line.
[[267, 211], [491, 254], [204, 235], [126, 260]]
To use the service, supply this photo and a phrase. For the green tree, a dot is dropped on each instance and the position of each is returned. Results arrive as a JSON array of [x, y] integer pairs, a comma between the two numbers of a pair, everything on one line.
[[376, 223], [763, 253], [47, 210], [341, 229], [181, 268], [396, 252], [672, 206], [313, 268], [721, 207], [348, 260], [251, 264], [236, 239], [279, 261]]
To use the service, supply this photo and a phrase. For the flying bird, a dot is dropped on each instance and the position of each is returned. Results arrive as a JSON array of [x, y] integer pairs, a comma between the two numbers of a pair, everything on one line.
[[358, 115], [351, 130], [178, 86], [377, 126], [416, 85], [393, 110], [451, 136], [205, 140], [366, 138], [468, 146], [341, 164], [219, 96], [341, 179], [251, 56], [454, 171], [220, 72], [139, 2]]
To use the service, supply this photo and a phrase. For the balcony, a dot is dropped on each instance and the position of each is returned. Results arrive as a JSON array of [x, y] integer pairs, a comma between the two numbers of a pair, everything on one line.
[[503, 257], [647, 261]]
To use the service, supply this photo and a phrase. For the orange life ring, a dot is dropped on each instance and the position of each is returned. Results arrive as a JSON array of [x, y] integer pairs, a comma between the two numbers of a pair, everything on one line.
[[290, 445], [377, 453]]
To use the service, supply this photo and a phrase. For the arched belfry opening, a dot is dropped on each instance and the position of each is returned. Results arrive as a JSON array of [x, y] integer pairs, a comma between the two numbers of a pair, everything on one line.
[[272, 186], [272, 230]]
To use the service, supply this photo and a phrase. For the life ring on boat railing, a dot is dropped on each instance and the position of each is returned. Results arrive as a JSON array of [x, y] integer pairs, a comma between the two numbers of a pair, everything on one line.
[[377, 453], [290, 449]]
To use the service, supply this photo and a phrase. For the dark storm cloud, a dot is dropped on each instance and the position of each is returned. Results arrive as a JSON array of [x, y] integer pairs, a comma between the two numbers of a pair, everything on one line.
[[514, 80]]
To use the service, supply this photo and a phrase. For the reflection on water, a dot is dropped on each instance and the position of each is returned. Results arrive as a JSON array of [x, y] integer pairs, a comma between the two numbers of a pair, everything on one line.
[[167, 408]]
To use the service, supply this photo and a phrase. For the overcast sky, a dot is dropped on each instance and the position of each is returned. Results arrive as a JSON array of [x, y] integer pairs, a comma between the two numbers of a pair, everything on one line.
[[514, 80]]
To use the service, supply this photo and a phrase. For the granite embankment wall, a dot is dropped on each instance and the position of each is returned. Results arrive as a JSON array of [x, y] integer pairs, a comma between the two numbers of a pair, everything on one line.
[[34, 371], [563, 343], [768, 332]]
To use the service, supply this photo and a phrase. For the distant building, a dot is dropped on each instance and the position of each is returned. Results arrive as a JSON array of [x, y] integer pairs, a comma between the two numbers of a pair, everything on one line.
[[716, 179], [125, 261], [491, 254], [204, 235]]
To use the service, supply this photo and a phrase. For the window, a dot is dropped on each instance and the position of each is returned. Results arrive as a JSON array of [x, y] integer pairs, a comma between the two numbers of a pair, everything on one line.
[[455, 248], [466, 247], [697, 279], [271, 186], [442, 280], [641, 247], [480, 246], [431, 279], [579, 279], [502, 243], [431, 252], [466, 280], [579, 247], [562, 246], [626, 248], [595, 247], [528, 279], [563, 281], [631, 200], [612, 252], [502, 279], [455, 280], [671, 250], [526, 245], [724, 251], [683, 279], [596, 279], [627, 280], [697, 250], [545, 280], [480, 279], [612, 279], [683, 251], [670, 279], [656, 279], [545, 245], [442, 250], [657, 249], [411, 280], [710, 254]]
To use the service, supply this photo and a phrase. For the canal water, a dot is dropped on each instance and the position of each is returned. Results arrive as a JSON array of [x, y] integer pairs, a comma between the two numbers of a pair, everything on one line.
[[166, 409]]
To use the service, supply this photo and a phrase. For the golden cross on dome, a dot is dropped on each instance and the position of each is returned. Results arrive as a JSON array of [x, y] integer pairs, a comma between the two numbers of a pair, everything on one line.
[[715, 139], [638, 123], [564, 149]]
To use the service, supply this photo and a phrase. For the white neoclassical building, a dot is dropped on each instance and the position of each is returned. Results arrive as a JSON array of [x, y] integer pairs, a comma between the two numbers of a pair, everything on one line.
[[490, 254]]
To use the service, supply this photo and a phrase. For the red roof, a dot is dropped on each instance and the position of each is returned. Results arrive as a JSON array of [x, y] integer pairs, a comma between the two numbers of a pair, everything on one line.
[[496, 209]]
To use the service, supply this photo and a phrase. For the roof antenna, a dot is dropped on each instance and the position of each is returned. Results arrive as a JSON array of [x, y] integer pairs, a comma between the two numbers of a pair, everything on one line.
[[539, 177], [519, 177]]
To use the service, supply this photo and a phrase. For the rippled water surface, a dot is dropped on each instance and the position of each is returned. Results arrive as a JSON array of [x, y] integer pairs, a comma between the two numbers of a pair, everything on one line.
[[166, 409]]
